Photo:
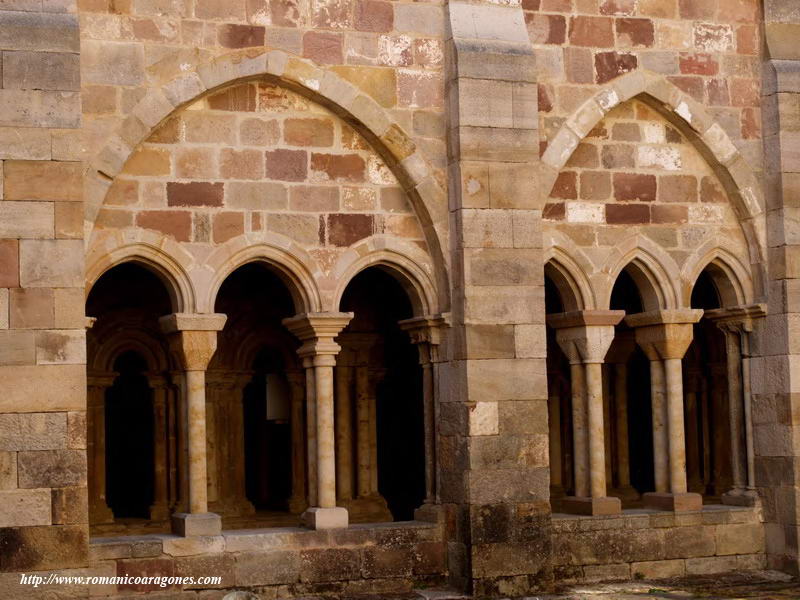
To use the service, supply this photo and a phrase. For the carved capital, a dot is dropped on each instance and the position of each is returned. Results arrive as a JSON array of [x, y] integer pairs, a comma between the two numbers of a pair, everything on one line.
[[665, 334], [316, 332], [585, 335], [193, 337]]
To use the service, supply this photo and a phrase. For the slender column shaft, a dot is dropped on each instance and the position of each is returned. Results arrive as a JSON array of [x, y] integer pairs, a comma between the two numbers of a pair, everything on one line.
[[660, 435], [579, 430], [213, 438], [735, 408], [621, 415], [748, 417], [363, 430], [677, 442], [196, 416], [430, 432], [326, 461], [597, 450], [173, 427], [373, 441], [607, 421], [554, 419], [298, 454], [344, 433], [311, 430], [161, 458]]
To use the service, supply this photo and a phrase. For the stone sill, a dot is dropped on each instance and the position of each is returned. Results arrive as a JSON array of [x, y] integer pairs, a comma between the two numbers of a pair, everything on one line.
[[641, 518], [248, 540]]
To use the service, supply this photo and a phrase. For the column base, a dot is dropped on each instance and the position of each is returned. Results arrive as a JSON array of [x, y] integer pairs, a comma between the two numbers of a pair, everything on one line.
[[100, 514], [740, 498], [193, 524], [159, 511], [685, 502], [369, 509], [325, 518], [605, 505], [625, 493], [429, 512]]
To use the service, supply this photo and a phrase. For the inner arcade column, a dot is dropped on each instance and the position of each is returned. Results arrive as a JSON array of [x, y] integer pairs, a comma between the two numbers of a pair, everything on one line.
[[425, 334], [585, 337], [99, 511], [193, 339], [665, 335], [737, 325], [618, 356], [318, 351]]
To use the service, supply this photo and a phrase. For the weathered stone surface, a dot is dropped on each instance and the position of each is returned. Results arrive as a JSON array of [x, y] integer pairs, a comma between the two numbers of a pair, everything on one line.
[[39, 548], [33, 431], [23, 508], [51, 468], [267, 568]]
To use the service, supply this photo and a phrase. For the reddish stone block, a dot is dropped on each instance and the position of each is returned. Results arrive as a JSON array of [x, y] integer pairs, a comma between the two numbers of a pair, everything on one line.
[[609, 65], [698, 64], [593, 32], [240, 164], [578, 65], [751, 124], [238, 98], [347, 229], [711, 191], [634, 186], [374, 15], [194, 193], [717, 90], [618, 156], [176, 223], [287, 165], [627, 214], [240, 36], [308, 132], [339, 167], [428, 52], [595, 185], [145, 567], [747, 40], [530, 4], [669, 214], [545, 94], [677, 188], [546, 29], [738, 11], [585, 157], [286, 13], [556, 6], [635, 32], [419, 89], [673, 135], [618, 7], [122, 192], [626, 132], [693, 86], [113, 219], [745, 92], [697, 9], [227, 225], [554, 211], [31, 308], [168, 133], [9, 263], [566, 186], [324, 48]]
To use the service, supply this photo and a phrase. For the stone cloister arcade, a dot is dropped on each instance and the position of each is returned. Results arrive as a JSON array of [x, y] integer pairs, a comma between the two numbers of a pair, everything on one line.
[[254, 413], [650, 406]]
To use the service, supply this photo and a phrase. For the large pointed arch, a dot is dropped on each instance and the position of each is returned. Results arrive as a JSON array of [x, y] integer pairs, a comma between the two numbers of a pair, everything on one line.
[[694, 121], [322, 85]]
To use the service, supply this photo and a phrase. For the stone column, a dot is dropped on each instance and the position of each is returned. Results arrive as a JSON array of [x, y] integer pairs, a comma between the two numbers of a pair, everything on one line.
[[159, 510], [737, 324], [554, 426], [298, 501], [580, 427], [618, 356], [694, 448], [193, 339], [666, 335], [311, 429], [235, 473], [585, 337], [425, 334], [316, 331], [99, 511], [344, 432]]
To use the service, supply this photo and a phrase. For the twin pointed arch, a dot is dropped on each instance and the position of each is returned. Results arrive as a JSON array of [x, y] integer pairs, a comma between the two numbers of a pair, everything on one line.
[[730, 276], [323, 86], [694, 121]]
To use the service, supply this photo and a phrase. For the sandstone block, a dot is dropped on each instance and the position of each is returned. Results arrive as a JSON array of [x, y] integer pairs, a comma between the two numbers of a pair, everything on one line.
[[190, 163], [69, 220], [195, 193], [9, 267], [259, 132], [323, 48], [21, 390], [286, 165], [51, 263], [308, 132], [256, 196], [47, 547], [329, 565], [145, 567], [194, 544], [33, 180], [69, 308], [740, 539], [60, 347], [222, 565], [30, 308], [387, 562], [710, 565], [240, 36], [34, 145], [176, 223], [41, 70], [304, 229], [46, 32], [208, 128], [267, 568], [241, 164], [76, 430], [51, 468], [658, 569], [39, 108], [596, 32], [26, 219], [33, 431], [8, 470], [21, 508], [314, 198], [345, 230], [227, 225], [112, 63], [69, 505]]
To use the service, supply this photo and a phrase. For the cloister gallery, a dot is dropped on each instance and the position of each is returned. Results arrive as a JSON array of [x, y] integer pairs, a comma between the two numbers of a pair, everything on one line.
[[331, 297]]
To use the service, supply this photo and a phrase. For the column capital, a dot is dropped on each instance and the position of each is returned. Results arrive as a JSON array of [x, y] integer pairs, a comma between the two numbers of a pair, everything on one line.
[[737, 319], [316, 331], [193, 337], [665, 334], [585, 335], [426, 332]]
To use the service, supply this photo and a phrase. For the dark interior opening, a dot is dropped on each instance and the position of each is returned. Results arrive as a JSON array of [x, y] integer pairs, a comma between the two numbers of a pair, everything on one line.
[[129, 439], [379, 302]]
